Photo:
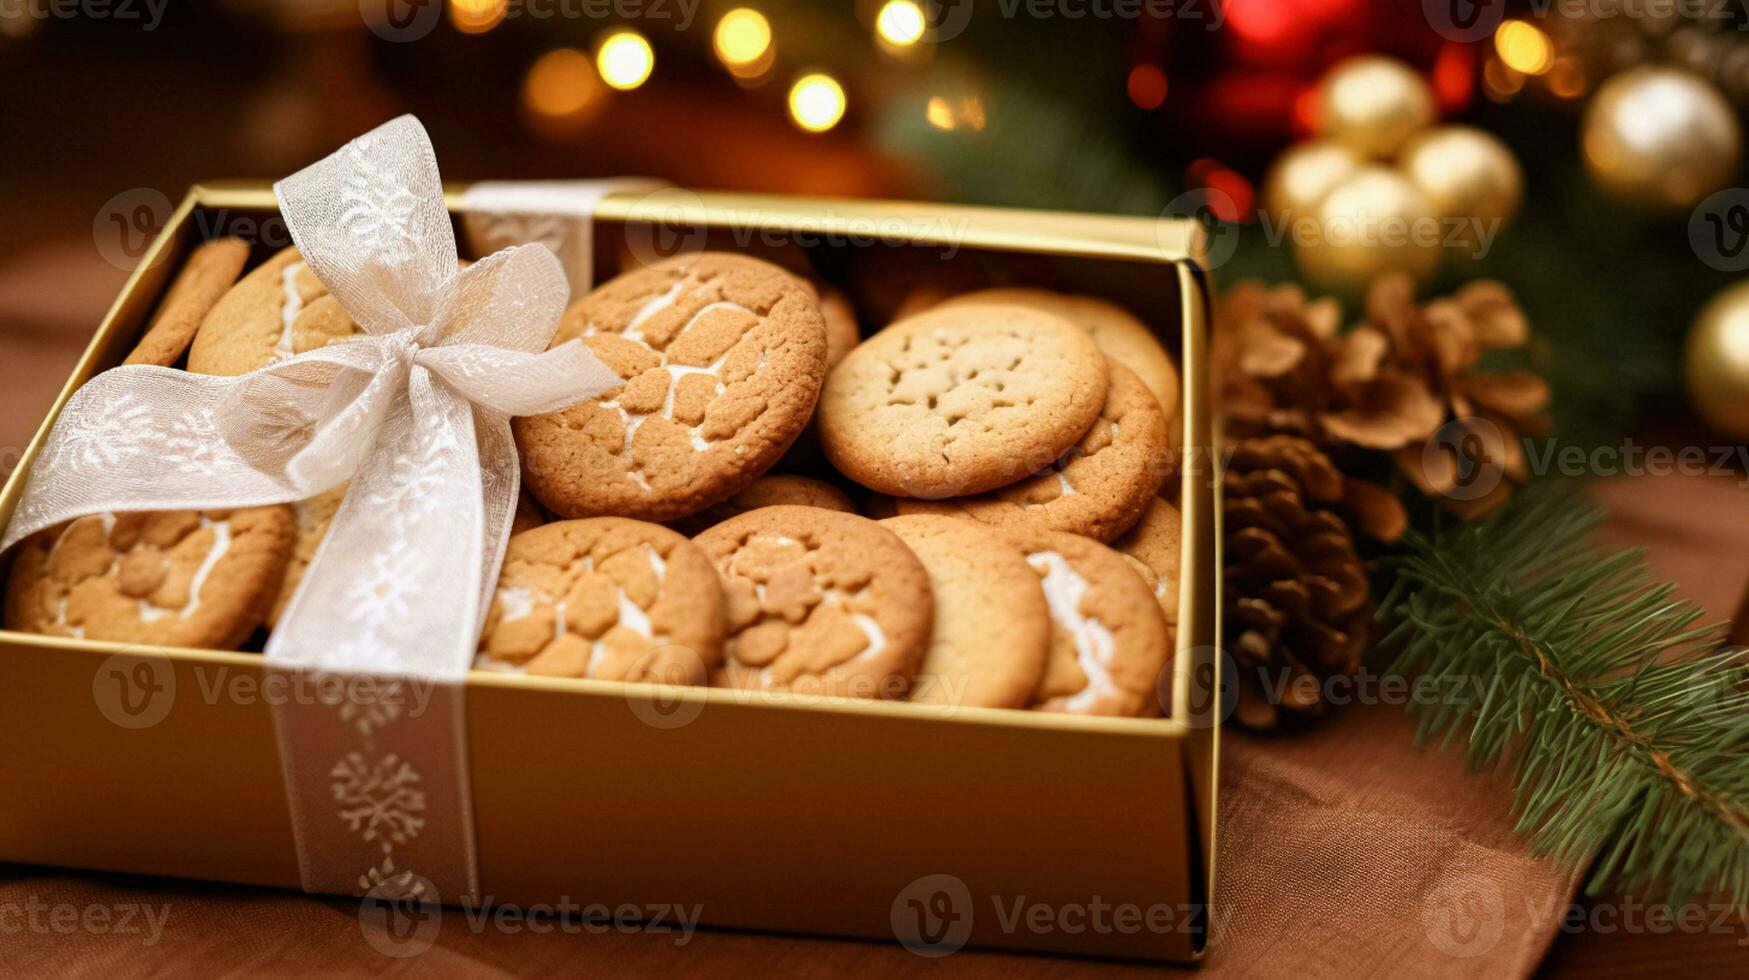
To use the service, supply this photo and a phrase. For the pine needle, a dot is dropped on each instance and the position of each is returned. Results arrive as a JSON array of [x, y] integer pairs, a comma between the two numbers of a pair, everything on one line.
[[1624, 724]]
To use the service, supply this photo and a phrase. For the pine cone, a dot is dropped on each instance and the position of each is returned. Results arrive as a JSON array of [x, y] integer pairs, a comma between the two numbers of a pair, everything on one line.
[[1493, 411], [1298, 603]]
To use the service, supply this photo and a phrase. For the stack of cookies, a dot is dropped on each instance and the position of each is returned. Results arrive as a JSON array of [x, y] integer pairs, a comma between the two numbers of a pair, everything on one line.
[[963, 509]]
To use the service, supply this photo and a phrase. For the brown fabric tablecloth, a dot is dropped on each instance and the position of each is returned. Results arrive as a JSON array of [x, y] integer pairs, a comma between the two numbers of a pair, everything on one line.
[[1343, 852]]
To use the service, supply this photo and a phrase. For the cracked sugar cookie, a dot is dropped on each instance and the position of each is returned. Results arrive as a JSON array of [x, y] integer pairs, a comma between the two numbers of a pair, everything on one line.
[[723, 358], [770, 491], [171, 578], [1109, 642], [278, 310], [819, 603], [1098, 488], [1118, 333], [607, 598], [1152, 547], [960, 400], [992, 628]]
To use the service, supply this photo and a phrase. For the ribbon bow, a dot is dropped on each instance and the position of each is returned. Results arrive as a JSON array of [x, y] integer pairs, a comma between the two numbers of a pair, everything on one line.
[[415, 412]]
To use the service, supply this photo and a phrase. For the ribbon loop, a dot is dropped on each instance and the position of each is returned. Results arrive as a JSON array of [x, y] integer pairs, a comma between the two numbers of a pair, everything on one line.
[[416, 415]]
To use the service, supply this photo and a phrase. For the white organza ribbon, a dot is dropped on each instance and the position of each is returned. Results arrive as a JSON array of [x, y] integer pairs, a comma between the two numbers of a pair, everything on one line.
[[415, 413]]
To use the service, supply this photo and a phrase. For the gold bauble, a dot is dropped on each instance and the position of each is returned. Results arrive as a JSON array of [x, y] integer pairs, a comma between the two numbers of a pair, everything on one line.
[[1717, 362], [1660, 138], [1466, 172], [1376, 220], [1372, 103], [1303, 176]]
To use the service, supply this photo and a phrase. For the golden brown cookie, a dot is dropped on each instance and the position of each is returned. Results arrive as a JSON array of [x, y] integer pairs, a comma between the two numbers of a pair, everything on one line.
[[1098, 488], [819, 603], [278, 310], [770, 491], [992, 628], [723, 358], [607, 598], [961, 400], [1118, 333], [842, 333], [1152, 546], [529, 515], [1109, 642], [211, 269], [175, 578]]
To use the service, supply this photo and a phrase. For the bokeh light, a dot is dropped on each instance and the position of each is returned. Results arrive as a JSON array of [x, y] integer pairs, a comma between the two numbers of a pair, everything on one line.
[[900, 23], [743, 42], [1147, 86], [562, 92], [816, 102], [1524, 47], [477, 16], [625, 59]]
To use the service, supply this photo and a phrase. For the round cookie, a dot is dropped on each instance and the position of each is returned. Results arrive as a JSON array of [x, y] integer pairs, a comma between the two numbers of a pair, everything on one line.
[[770, 491], [1152, 546], [842, 333], [1098, 488], [819, 603], [276, 311], [607, 598], [992, 628], [1109, 642], [960, 400], [1126, 339], [209, 272], [170, 578], [723, 358]]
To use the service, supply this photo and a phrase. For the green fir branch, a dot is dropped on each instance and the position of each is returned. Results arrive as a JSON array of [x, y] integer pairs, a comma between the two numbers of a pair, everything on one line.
[[1624, 724]]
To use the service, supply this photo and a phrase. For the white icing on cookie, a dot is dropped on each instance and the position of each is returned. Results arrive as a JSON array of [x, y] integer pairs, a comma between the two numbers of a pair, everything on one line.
[[634, 331], [1094, 644], [518, 602], [150, 613]]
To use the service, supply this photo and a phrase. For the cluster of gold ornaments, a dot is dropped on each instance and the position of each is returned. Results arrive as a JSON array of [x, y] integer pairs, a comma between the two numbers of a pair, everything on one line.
[[1381, 187]]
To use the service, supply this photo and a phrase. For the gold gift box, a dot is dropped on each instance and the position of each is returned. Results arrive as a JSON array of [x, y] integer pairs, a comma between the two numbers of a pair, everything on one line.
[[772, 811]]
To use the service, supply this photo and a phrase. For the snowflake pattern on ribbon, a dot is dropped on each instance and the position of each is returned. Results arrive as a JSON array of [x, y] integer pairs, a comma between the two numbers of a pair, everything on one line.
[[109, 440], [379, 798], [192, 444], [379, 210]]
